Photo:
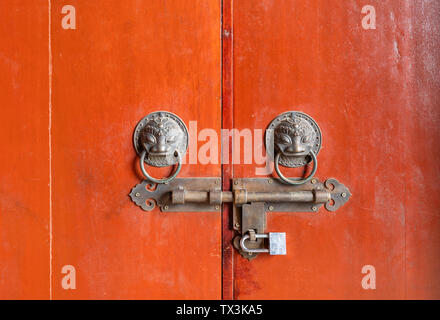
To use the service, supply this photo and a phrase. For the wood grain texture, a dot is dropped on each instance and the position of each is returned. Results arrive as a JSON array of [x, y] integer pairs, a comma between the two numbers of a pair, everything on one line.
[[24, 141], [375, 95], [125, 60]]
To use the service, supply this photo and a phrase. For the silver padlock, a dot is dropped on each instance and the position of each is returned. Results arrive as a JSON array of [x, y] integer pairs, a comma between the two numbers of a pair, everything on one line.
[[277, 243]]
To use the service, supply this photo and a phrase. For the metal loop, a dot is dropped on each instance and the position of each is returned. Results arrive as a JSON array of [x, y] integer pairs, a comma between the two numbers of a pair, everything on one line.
[[246, 249], [296, 181], [165, 180]]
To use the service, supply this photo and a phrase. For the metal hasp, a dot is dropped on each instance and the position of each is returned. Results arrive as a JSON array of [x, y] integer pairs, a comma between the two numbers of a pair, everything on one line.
[[252, 198], [190, 195], [257, 196]]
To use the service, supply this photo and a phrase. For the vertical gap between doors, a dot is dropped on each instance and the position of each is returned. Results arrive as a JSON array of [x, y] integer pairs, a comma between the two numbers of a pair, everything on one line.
[[227, 122]]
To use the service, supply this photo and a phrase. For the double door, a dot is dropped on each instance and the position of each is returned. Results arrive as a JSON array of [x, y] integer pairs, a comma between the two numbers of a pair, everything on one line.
[[73, 90]]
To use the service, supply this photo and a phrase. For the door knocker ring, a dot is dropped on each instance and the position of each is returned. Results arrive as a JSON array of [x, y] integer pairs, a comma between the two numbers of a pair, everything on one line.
[[161, 140], [163, 180], [295, 140], [296, 181]]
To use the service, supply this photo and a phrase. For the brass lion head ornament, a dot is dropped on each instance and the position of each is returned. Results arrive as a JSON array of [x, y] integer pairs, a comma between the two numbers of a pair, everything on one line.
[[293, 139], [161, 139]]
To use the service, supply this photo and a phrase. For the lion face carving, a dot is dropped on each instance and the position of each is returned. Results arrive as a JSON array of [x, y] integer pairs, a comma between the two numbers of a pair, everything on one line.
[[160, 136], [163, 136], [295, 135]]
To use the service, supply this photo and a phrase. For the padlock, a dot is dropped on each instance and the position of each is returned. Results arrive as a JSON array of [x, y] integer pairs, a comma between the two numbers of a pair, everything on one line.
[[277, 243]]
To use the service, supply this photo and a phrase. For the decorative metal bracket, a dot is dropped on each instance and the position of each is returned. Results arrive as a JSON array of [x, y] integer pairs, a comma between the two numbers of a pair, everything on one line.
[[205, 195], [251, 198], [147, 195]]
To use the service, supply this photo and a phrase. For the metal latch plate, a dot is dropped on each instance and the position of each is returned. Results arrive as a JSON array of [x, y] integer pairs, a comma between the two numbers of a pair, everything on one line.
[[339, 193], [276, 185], [147, 195]]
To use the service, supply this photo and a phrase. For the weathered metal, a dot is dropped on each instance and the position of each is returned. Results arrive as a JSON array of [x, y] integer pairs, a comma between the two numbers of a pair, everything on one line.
[[295, 139], [182, 196], [277, 243], [160, 134], [251, 198], [281, 197], [170, 197], [296, 181], [253, 221], [186, 193], [274, 195], [160, 139], [294, 136]]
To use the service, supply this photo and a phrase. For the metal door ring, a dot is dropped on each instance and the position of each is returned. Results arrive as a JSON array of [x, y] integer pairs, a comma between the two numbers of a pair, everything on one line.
[[296, 181], [293, 134], [164, 180], [161, 133]]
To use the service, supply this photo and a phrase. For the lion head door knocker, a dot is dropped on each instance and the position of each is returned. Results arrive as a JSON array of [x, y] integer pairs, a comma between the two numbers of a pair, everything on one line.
[[293, 139], [161, 140]]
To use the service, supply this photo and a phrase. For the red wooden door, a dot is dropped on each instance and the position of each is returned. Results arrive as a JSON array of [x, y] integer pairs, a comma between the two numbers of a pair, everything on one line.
[[375, 95], [24, 165], [71, 97], [70, 101]]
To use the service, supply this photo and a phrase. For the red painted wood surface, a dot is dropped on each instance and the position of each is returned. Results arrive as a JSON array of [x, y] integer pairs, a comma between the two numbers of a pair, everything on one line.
[[375, 95], [70, 102], [24, 143], [124, 60]]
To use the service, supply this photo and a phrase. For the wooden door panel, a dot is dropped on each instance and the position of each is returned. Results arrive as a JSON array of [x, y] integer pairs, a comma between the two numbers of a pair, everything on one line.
[[125, 60], [24, 156], [376, 101], [422, 219]]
